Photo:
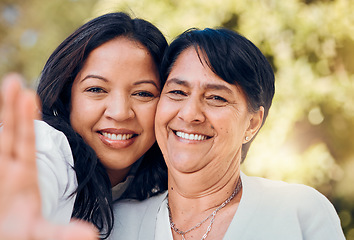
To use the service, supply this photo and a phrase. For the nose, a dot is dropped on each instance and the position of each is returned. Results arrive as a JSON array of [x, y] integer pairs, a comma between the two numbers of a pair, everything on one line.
[[119, 108], [191, 110]]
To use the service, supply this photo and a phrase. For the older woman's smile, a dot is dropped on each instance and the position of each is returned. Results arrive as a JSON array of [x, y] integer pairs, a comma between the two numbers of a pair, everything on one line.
[[191, 136]]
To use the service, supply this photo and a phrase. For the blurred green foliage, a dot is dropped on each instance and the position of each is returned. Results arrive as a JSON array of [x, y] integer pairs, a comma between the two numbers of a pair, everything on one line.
[[310, 44], [31, 29]]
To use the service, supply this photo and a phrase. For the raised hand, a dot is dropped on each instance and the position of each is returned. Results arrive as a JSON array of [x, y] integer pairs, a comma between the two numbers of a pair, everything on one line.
[[20, 205]]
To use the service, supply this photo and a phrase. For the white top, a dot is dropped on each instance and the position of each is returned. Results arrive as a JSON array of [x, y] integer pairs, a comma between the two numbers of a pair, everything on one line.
[[120, 188], [57, 178], [163, 230], [268, 210]]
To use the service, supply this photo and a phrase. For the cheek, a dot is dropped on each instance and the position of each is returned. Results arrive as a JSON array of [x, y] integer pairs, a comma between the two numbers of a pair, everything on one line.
[[231, 130], [145, 114], [75, 113], [83, 114], [226, 124], [166, 111], [163, 114]]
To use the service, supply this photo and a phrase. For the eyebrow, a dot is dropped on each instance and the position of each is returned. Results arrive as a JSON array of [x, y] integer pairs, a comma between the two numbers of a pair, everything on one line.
[[105, 80], [209, 86], [218, 87], [177, 81], [146, 81], [94, 76]]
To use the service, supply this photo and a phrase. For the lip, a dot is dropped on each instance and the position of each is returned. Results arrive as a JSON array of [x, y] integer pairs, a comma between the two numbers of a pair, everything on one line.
[[117, 138]]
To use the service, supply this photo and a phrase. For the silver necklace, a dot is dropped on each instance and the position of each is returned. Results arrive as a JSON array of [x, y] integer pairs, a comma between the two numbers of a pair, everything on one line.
[[212, 215]]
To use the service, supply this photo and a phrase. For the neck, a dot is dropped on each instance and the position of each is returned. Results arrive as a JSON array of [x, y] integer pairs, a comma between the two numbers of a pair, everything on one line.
[[117, 176], [194, 211], [194, 196], [186, 191]]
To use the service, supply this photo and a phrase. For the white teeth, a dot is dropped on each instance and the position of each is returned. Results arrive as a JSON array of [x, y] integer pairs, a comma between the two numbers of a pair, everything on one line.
[[117, 136], [191, 136]]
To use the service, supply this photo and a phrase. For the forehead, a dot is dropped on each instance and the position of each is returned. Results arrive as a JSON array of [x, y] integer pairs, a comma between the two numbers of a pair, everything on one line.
[[191, 70], [121, 60], [119, 49]]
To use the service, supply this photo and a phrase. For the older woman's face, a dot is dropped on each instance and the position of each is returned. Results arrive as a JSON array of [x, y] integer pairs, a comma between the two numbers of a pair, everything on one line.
[[201, 120]]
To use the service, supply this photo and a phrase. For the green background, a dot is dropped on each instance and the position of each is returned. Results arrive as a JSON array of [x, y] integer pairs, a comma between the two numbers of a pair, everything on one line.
[[308, 137]]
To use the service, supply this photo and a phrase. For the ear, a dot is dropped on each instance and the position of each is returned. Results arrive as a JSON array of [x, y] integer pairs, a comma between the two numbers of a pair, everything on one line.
[[255, 123]]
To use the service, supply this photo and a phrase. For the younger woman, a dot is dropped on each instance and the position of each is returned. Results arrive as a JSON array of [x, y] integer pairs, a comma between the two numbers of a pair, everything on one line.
[[98, 94]]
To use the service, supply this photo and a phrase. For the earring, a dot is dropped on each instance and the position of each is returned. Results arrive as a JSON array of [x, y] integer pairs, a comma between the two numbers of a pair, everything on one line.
[[246, 138]]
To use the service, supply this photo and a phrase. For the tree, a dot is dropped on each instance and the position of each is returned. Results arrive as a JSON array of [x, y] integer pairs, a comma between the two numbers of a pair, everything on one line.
[[310, 44]]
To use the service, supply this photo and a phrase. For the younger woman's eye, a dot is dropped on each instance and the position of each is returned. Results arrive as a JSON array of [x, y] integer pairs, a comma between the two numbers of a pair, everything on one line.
[[144, 94], [95, 90]]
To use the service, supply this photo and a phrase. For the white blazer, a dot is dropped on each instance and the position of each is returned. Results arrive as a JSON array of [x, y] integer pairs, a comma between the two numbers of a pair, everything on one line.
[[57, 178], [268, 210]]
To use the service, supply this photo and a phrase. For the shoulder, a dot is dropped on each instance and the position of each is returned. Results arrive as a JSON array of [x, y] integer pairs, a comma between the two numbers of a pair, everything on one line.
[[52, 141], [297, 194], [53, 150], [42, 127], [292, 205], [132, 217], [56, 175], [135, 208], [47, 135]]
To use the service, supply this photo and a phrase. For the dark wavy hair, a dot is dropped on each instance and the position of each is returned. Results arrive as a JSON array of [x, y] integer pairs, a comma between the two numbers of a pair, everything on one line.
[[234, 59], [93, 195]]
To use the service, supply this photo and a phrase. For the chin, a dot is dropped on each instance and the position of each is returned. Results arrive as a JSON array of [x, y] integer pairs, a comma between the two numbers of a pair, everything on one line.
[[185, 165]]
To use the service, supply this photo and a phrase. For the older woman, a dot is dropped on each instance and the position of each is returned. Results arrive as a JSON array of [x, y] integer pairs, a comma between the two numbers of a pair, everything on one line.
[[218, 91]]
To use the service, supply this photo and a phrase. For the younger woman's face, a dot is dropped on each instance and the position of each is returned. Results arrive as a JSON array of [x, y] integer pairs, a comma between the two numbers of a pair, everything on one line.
[[113, 104]]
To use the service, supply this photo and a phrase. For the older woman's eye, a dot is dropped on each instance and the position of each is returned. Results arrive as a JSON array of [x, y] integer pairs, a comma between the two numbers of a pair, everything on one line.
[[216, 101], [217, 98], [176, 95], [177, 92]]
